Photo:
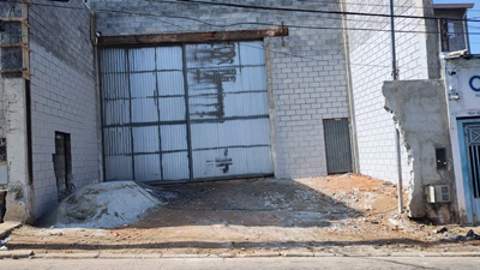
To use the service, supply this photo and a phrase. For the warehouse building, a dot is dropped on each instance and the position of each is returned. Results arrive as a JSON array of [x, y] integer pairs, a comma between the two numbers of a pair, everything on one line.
[[175, 91]]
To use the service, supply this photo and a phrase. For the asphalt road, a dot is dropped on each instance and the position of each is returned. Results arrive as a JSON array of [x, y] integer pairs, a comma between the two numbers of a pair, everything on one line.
[[244, 264]]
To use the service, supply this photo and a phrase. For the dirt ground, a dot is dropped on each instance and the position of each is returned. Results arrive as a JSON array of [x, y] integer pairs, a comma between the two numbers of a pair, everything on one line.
[[337, 214]]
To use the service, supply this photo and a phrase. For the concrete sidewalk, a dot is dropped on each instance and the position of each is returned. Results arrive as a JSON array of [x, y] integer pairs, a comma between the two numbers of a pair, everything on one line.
[[247, 263]]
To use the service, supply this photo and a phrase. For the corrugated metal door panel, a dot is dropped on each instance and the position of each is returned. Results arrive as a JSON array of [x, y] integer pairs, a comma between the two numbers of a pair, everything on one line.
[[229, 111], [142, 59], [145, 139], [169, 58], [170, 83], [232, 161], [174, 138], [145, 123], [252, 53], [171, 104], [144, 110], [246, 104], [117, 141], [116, 112], [175, 166], [172, 109], [227, 79], [337, 143], [231, 133], [113, 60], [212, 55], [147, 168], [118, 168], [115, 86], [143, 85]]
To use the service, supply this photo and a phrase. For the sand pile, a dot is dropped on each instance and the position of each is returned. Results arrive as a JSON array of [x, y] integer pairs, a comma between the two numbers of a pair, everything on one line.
[[105, 205]]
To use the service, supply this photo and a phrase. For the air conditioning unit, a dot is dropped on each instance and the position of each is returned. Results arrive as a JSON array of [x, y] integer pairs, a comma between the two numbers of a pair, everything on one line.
[[438, 194]]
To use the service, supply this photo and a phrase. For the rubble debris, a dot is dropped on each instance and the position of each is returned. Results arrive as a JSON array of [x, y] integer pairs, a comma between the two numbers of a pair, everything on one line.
[[469, 236], [105, 205], [472, 236], [4, 241], [441, 230]]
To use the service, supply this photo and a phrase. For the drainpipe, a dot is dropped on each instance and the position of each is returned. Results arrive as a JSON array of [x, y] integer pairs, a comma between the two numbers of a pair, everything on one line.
[[397, 132]]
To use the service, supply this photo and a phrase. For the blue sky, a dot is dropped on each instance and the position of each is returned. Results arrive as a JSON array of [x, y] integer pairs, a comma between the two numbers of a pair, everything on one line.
[[474, 27]]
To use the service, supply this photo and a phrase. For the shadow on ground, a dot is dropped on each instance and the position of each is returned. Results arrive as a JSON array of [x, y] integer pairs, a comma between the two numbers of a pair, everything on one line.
[[260, 202]]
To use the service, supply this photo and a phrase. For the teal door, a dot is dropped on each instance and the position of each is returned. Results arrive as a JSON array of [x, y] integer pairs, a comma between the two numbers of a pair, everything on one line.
[[470, 150]]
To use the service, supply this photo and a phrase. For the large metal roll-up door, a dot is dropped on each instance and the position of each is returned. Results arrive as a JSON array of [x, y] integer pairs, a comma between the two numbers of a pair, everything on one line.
[[197, 111]]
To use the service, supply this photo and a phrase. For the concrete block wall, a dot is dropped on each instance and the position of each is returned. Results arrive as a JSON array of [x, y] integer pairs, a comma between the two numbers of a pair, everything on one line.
[[64, 97], [375, 126], [420, 109], [306, 70], [3, 108]]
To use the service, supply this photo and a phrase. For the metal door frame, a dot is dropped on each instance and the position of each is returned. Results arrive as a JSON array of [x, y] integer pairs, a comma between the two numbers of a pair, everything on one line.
[[187, 120], [472, 207]]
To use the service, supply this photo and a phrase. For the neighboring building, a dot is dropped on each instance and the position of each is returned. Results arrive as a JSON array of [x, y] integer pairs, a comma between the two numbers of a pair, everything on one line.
[[453, 33], [418, 46], [163, 92], [49, 83]]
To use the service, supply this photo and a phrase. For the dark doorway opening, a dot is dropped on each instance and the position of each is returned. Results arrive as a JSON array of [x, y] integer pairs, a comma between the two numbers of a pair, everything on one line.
[[62, 163]]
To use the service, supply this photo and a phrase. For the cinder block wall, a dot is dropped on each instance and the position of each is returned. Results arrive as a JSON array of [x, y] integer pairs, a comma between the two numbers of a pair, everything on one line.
[[307, 74], [375, 126], [64, 97]]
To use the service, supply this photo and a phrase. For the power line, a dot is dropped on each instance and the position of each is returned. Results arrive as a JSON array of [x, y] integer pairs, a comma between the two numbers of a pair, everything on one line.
[[234, 24], [271, 8], [311, 27], [387, 6], [300, 10], [130, 12], [309, 58]]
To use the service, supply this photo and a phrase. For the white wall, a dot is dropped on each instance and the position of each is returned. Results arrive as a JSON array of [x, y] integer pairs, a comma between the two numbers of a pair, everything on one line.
[[370, 53], [64, 98]]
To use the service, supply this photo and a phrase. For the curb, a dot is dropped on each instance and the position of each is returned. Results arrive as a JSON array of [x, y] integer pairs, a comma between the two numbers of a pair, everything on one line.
[[99, 255], [16, 254], [7, 227]]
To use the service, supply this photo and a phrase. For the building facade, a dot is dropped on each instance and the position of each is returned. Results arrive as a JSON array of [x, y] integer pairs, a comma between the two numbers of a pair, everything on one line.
[[50, 83], [178, 91]]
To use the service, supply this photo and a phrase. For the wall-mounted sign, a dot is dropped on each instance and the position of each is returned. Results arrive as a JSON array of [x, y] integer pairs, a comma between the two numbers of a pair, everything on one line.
[[475, 83]]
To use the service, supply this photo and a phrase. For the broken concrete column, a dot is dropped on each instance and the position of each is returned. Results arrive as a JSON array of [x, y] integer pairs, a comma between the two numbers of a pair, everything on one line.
[[18, 198], [420, 112]]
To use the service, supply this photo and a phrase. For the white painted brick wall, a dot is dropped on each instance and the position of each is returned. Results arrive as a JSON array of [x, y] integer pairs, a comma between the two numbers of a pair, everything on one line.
[[371, 54], [64, 99]]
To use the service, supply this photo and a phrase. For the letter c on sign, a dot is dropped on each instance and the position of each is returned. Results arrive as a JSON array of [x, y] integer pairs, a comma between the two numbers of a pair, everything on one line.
[[474, 87]]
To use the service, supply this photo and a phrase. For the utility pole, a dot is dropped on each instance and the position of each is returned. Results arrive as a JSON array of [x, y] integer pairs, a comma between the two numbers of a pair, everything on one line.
[[397, 132]]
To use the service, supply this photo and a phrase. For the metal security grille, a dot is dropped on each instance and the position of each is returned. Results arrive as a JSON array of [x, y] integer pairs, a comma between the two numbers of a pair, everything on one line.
[[337, 143], [473, 145], [196, 111]]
